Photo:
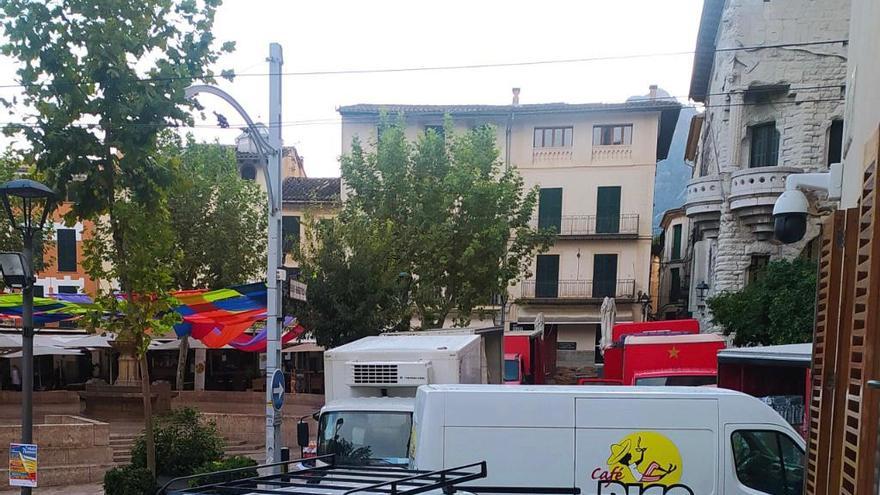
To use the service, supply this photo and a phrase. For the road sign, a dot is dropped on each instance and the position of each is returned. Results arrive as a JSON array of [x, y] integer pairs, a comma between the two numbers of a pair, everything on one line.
[[298, 290], [23, 465], [278, 389]]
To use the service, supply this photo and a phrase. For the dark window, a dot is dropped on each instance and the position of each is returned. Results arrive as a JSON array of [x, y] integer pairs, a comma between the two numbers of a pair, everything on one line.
[[604, 275], [68, 289], [677, 381], [764, 145], [553, 137], [547, 276], [66, 250], [675, 284], [756, 267], [676, 242], [609, 135], [249, 172], [39, 291], [608, 210], [768, 461], [290, 232], [835, 141], [550, 209], [438, 129]]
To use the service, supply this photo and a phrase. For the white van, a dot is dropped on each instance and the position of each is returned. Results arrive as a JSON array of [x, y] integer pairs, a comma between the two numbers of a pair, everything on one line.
[[610, 440]]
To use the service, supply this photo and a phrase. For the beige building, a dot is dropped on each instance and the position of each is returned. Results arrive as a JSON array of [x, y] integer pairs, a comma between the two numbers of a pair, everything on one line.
[[673, 274], [594, 164]]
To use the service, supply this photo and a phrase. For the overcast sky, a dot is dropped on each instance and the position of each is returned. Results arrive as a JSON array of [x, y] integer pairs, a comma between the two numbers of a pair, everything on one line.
[[329, 35]]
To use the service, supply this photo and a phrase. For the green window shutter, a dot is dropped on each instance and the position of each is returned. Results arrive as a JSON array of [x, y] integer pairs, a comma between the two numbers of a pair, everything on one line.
[[604, 275], [289, 233], [66, 250], [608, 210], [550, 209], [547, 276], [676, 242]]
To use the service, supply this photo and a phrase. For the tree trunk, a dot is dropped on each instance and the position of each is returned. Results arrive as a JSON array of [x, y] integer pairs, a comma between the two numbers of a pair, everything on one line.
[[148, 416], [182, 355]]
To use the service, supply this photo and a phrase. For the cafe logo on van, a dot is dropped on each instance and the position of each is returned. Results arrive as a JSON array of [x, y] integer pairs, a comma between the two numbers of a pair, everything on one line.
[[641, 463]]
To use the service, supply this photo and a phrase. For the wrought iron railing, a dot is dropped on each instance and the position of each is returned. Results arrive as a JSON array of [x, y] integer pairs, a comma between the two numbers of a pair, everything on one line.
[[585, 225], [578, 289]]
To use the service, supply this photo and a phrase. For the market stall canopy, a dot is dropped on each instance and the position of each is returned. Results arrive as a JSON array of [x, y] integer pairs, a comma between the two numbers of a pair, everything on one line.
[[304, 347], [174, 345], [45, 350], [92, 342]]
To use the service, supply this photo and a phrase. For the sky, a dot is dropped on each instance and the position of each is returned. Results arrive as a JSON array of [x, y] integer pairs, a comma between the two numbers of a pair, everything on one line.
[[332, 35]]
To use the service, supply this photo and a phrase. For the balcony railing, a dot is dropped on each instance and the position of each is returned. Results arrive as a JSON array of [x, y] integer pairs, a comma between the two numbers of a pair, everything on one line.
[[592, 225], [579, 289]]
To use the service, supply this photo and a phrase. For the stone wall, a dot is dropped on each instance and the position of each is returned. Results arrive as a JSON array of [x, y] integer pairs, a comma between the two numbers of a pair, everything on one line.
[[53, 402], [71, 450], [802, 114]]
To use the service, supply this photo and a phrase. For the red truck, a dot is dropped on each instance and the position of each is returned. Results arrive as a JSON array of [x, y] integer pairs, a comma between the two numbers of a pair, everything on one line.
[[779, 375], [670, 352], [529, 355]]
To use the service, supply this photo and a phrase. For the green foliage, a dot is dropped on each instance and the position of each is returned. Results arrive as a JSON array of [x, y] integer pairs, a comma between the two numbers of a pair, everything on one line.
[[129, 480], [437, 225], [347, 454], [10, 240], [184, 443], [218, 219], [234, 462], [778, 308]]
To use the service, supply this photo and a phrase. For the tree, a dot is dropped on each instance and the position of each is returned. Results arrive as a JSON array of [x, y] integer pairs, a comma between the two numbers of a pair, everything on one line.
[[100, 81], [445, 225], [777, 308], [218, 221]]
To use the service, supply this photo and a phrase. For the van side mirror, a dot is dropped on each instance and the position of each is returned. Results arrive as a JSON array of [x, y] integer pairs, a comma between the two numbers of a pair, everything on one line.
[[302, 434]]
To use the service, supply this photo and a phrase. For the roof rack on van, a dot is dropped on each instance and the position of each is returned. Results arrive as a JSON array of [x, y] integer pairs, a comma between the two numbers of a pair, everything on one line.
[[322, 476]]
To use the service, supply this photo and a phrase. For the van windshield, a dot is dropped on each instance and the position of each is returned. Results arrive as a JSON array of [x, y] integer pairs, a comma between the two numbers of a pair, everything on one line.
[[362, 437], [678, 381], [511, 370]]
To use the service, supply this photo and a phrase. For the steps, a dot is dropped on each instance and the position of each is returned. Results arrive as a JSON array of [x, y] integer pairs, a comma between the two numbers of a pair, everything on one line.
[[121, 443], [245, 448]]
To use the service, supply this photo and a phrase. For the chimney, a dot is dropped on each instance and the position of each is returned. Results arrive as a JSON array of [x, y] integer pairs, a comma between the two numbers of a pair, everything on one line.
[[515, 96], [652, 91]]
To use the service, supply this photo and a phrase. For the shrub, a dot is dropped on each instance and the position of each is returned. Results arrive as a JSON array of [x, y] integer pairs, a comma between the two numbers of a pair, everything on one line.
[[234, 462], [777, 308], [129, 480], [184, 442]]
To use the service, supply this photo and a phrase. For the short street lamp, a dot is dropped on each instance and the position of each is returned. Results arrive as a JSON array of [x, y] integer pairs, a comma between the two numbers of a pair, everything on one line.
[[27, 204]]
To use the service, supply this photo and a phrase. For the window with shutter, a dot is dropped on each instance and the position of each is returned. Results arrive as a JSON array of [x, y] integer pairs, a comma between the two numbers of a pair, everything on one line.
[[550, 209], [674, 285], [604, 275], [764, 148], [676, 242], [66, 250], [547, 276], [289, 232], [608, 210]]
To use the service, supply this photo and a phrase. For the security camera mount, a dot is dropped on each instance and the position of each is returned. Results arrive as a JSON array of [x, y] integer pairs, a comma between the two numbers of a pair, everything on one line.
[[830, 182]]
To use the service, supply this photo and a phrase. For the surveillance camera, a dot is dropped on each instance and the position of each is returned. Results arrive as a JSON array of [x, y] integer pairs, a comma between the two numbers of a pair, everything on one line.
[[790, 216]]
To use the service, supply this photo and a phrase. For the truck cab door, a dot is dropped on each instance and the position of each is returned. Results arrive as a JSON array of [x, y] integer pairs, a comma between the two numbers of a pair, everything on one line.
[[762, 459]]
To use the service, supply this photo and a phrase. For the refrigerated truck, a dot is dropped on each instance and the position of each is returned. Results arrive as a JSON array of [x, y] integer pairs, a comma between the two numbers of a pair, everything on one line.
[[370, 388], [531, 351], [610, 440]]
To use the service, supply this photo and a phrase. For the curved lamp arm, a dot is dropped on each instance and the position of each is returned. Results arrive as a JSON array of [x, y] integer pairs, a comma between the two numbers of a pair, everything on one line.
[[263, 147]]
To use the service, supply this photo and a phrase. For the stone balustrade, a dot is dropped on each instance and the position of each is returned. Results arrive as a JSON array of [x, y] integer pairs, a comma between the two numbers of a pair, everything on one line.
[[548, 157], [611, 154], [703, 203]]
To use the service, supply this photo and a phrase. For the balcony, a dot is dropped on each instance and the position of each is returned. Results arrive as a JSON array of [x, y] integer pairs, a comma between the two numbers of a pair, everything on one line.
[[612, 154], [577, 291], [549, 157], [753, 192], [579, 227], [703, 204]]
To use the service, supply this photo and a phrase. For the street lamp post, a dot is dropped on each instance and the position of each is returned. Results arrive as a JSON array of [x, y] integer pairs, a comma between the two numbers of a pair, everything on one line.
[[27, 203], [268, 147]]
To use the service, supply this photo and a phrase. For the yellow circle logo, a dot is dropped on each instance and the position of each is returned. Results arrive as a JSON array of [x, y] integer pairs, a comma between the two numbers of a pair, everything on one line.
[[645, 458]]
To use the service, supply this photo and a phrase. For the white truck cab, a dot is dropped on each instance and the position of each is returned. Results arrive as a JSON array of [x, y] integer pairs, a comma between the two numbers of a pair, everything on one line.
[[610, 440], [370, 388]]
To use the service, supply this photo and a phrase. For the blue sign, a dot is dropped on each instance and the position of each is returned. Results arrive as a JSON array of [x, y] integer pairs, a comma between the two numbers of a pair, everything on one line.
[[278, 389]]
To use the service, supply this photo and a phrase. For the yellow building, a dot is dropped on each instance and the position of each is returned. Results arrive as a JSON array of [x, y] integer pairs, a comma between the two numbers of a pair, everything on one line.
[[594, 164]]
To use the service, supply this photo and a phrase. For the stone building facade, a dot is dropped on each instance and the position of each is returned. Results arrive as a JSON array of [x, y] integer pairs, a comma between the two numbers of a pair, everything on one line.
[[772, 78]]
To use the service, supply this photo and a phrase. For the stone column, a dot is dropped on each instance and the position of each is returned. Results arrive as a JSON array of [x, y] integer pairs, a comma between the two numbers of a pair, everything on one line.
[[200, 370]]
